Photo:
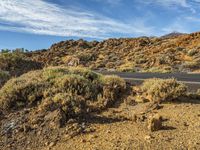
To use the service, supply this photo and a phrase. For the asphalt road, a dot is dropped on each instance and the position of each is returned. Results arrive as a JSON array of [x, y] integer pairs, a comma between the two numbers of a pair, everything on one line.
[[191, 80]]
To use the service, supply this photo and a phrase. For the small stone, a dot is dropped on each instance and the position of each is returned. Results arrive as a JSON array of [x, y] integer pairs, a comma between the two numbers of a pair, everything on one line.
[[93, 137], [39, 133], [141, 118], [147, 137], [83, 140], [67, 136], [155, 123], [70, 121], [168, 139], [26, 128], [46, 143], [52, 144], [134, 118], [56, 118], [108, 131], [89, 130], [185, 124]]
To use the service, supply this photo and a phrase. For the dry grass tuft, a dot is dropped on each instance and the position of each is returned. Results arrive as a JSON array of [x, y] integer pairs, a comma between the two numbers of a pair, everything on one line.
[[161, 90]]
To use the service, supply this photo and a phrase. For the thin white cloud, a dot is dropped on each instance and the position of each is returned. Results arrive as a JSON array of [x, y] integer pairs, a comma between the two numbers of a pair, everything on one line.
[[176, 26], [171, 3], [41, 17], [167, 3], [111, 2], [182, 3], [193, 19]]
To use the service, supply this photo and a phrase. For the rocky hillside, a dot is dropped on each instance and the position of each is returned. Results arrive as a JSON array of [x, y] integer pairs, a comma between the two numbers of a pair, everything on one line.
[[175, 54]]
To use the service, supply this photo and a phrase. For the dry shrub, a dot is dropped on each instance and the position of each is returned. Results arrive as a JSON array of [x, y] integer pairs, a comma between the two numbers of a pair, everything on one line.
[[113, 88], [161, 90], [70, 60], [127, 67], [85, 57], [72, 104], [17, 63], [73, 90], [110, 65], [191, 65], [4, 76], [161, 69], [23, 90], [193, 52], [198, 92]]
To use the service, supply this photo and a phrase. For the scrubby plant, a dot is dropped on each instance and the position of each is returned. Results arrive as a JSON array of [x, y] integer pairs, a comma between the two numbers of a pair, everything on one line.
[[193, 52], [140, 58], [25, 89], [191, 65], [88, 74], [71, 60], [73, 90], [17, 62], [4, 76], [113, 87], [110, 65], [162, 90], [85, 57], [166, 69], [127, 67], [72, 104]]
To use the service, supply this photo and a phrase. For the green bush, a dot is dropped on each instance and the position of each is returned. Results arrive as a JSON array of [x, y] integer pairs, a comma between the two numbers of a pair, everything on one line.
[[23, 90], [73, 90], [160, 90]]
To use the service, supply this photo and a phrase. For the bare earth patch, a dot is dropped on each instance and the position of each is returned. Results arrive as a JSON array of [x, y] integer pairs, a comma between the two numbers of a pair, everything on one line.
[[181, 130], [123, 127]]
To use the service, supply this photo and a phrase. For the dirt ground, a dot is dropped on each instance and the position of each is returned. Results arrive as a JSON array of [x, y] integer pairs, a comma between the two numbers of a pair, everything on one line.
[[120, 128]]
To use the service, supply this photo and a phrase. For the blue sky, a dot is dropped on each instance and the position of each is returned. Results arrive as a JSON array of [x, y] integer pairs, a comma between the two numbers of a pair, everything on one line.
[[36, 24]]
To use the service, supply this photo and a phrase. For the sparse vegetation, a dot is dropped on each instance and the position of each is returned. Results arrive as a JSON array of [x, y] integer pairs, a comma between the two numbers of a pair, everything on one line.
[[127, 67], [16, 62], [162, 90], [127, 54], [38, 108], [112, 89], [159, 70], [72, 89]]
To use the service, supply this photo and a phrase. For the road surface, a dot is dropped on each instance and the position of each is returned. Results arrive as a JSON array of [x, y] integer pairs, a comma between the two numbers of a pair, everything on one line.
[[191, 80]]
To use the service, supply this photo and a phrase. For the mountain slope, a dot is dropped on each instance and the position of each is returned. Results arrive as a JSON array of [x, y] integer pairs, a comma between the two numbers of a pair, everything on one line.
[[175, 54]]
